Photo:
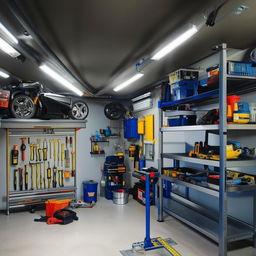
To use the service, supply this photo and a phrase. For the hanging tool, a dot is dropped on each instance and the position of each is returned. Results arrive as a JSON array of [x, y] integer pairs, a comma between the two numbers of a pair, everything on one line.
[[37, 175], [32, 175], [73, 171], [15, 179], [15, 155], [50, 144], [41, 176], [59, 177], [45, 175], [26, 177], [71, 143], [54, 180], [49, 175], [67, 158], [45, 149], [54, 150], [31, 150], [36, 151], [23, 149], [59, 152], [40, 150], [62, 178], [20, 178], [62, 154]]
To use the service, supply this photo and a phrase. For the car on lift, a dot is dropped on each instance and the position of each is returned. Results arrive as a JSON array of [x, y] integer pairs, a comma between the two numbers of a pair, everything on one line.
[[31, 99]]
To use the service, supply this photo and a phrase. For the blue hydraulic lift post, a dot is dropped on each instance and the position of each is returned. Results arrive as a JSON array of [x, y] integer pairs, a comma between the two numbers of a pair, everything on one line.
[[147, 241]]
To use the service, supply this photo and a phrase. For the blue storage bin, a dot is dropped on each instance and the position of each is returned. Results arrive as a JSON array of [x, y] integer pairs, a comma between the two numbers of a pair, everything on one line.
[[178, 121], [90, 191], [131, 129], [184, 89]]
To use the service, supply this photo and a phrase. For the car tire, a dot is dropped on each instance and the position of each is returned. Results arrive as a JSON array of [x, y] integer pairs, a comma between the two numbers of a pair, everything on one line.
[[22, 106], [79, 110]]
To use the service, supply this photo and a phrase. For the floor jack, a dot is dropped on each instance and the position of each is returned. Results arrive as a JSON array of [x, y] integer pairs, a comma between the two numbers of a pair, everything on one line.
[[158, 246]]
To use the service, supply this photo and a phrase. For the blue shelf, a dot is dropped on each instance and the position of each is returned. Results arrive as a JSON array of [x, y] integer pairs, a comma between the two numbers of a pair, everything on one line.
[[163, 104]]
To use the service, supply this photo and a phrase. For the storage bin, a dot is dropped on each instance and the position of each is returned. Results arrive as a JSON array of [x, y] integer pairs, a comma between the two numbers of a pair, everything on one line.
[[184, 89], [90, 191], [131, 129], [241, 68], [54, 205]]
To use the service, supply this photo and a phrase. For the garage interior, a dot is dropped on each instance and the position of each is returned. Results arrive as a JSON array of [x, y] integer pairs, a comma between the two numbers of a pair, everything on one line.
[[128, 127]]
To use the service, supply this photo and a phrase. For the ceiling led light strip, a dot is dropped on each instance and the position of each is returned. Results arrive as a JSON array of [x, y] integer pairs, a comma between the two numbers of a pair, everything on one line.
[[5, 47], [128, 82], [175, 43], [4, 75], [60, 79], [8, 34]]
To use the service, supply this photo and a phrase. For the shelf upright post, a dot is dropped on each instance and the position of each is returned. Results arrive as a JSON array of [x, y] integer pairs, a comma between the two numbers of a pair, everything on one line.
[[7, 172], [160, 166], [223, 143]]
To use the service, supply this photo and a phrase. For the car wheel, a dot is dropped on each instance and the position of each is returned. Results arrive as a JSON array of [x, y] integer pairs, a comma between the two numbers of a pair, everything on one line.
[[22, 106], [79, 110]]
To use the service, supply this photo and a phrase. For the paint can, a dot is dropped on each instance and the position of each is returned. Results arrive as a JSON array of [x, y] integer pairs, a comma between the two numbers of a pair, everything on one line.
[[120, 196]]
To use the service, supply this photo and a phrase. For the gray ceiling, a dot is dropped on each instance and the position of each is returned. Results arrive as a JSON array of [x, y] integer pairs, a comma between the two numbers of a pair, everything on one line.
[[100, 41]]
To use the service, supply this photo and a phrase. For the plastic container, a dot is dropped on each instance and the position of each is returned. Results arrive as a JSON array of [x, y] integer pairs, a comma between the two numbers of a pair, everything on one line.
[[54, 205], [131, 129], [90, 191], [184, 89], [178, 121], [120, 196]]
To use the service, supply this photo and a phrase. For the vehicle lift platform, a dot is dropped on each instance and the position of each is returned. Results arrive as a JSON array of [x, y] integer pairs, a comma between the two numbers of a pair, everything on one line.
[[150, 246]]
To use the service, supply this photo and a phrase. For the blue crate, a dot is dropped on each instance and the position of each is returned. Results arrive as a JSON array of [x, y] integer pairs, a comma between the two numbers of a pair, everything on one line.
[[241, 68], [184, 89]]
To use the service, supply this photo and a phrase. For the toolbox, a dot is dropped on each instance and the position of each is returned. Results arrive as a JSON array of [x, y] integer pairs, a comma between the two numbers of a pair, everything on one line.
[[54, 205], [183, 74]]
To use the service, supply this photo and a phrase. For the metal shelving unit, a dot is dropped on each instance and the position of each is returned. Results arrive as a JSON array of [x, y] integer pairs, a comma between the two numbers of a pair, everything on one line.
[[33, 129], [218, 226]]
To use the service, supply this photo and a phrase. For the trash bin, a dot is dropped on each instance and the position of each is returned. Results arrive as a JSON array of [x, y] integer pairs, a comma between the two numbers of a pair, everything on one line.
[[90, 191]]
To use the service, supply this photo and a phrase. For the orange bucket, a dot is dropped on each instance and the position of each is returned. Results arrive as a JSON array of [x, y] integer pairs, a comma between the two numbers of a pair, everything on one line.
[[54, 205]]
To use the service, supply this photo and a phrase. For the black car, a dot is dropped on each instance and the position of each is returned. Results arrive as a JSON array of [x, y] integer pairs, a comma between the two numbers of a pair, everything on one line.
[[31, 99]]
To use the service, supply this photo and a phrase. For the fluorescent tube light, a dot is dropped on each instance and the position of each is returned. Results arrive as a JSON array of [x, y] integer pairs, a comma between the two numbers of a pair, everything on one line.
[[5, 47], [4, 75], [60, 79], [129, 81], [175, 43], [8, 34]]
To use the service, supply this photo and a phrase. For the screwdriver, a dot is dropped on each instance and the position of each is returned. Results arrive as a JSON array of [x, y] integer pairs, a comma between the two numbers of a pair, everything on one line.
[[20, 178], [45, 150], [23, 148], [32, 175], [15, 179], [26, 177], [54, 180], [49, 175]]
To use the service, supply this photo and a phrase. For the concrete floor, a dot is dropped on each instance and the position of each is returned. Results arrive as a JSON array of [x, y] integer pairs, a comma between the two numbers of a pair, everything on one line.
[[101, 231]]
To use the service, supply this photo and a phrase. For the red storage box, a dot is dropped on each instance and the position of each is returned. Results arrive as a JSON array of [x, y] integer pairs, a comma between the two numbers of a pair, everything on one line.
[[54, 205]]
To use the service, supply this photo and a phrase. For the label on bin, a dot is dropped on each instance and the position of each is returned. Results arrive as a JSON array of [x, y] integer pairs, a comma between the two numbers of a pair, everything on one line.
[[91, 194]]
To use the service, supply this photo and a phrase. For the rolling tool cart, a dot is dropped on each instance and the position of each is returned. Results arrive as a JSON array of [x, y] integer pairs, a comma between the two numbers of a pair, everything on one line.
[[35, 170], [114, 169], [149, 243]]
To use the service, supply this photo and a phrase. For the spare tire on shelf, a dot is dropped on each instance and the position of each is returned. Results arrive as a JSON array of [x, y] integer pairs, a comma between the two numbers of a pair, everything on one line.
[[114, 111]]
